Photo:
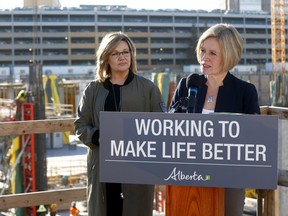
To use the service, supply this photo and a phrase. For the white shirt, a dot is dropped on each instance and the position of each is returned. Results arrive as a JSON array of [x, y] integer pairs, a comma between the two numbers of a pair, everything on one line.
[[207, 111]]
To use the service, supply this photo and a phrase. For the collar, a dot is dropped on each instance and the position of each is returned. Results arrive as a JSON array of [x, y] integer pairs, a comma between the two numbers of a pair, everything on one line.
[[107, 84]]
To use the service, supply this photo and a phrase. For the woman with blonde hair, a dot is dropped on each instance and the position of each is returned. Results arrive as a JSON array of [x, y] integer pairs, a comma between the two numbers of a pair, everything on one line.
[[218, 50]]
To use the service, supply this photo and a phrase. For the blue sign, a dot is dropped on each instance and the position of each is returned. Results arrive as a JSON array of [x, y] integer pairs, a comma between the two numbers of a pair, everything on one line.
[[213, 150]]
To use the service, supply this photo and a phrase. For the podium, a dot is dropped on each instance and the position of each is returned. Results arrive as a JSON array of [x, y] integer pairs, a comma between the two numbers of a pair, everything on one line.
[[194, 201], [196, 156]]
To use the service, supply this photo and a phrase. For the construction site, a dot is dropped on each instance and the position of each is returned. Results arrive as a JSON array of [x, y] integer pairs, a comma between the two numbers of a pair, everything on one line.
[[36, 118]]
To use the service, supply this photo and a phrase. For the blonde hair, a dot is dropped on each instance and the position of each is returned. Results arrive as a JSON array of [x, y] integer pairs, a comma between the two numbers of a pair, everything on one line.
[[106, 47], [230, 42]]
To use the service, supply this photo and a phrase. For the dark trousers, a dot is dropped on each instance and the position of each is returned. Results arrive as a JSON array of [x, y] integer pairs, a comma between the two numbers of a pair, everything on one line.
[[114, 199]]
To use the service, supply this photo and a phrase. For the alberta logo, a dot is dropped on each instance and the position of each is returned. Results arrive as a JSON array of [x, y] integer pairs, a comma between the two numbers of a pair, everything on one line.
[[178, 175]]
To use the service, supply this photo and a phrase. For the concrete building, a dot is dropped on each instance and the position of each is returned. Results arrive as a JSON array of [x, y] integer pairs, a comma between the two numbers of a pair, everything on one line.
[[165, 39], [246, 5]]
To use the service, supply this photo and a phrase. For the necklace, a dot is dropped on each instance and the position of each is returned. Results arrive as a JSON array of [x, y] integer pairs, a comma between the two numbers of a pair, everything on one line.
[[210, 99]]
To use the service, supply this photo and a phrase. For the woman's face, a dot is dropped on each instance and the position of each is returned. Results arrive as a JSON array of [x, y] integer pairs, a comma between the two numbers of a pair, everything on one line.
[[120, 58], [211, 58]]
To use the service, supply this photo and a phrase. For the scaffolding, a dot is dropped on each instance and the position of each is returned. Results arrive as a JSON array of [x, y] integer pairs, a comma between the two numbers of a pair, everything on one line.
[[279, 88]]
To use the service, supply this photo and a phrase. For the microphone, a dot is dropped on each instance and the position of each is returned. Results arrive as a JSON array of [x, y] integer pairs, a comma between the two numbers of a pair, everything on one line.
[[192, 84]]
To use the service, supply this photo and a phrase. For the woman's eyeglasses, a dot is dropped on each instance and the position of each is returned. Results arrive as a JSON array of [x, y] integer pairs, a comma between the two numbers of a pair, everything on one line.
[[125, 54]]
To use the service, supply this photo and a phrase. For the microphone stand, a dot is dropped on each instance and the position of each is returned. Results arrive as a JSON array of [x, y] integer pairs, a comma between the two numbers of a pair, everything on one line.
[[191, 106], [181, 103]]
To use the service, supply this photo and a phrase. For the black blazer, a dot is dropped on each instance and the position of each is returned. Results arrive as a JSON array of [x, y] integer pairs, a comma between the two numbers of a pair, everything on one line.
[[234, 96]]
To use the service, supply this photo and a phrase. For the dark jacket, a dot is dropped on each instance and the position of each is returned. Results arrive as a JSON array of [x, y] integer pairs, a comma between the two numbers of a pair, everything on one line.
[[234, 96]]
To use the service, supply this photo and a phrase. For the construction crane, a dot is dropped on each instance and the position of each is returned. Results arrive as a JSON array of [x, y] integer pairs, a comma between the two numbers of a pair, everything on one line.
[[279, 87]]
